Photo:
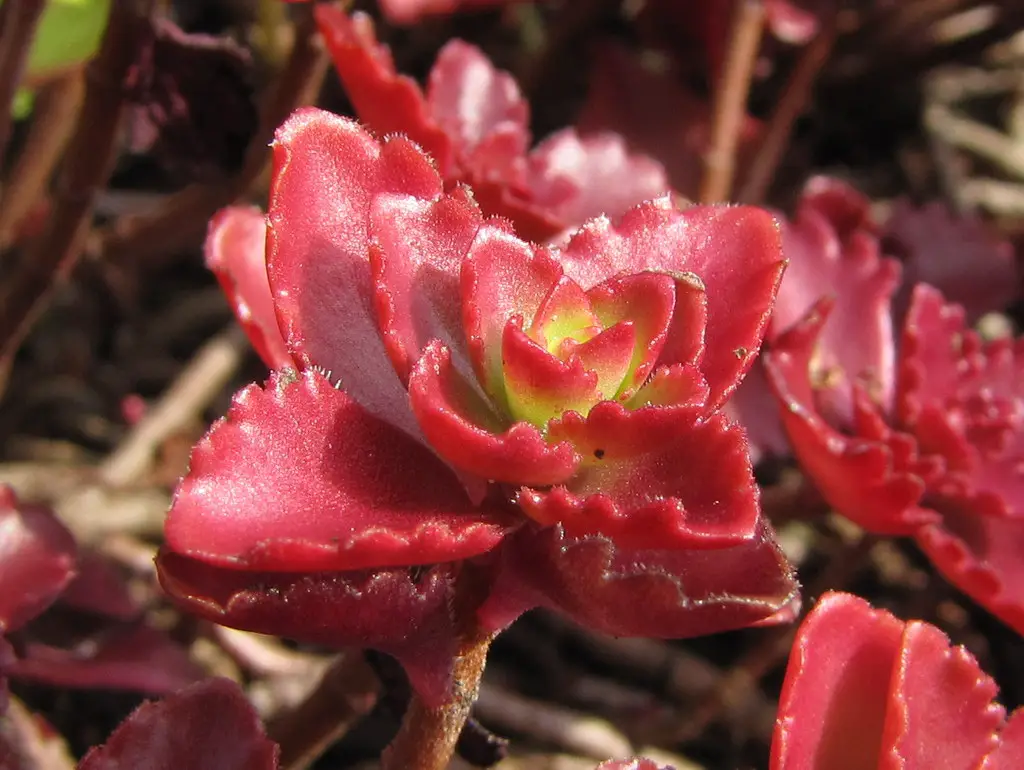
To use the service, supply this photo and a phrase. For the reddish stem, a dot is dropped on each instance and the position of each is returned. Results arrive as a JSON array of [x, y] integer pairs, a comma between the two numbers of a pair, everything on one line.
[[427, 737]]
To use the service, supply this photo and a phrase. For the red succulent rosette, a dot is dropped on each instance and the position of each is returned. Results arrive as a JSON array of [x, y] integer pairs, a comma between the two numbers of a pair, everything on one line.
[[921, 434], [474, 121], [451, 389], [865, 690]]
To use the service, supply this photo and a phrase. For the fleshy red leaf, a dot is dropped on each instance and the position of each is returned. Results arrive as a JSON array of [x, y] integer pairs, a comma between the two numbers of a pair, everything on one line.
[[963, 399], [385, 101], [299, 476], [502, 277], [629, 487], [138, 658], [735, 251], [869, 480], [833, 703], [656, 593], [208, 726], [327, 170], [864, 689], [1009, 754], [831, 255], [385, 609], [416, 255], [934, 684], [236, 253], [37, 560], [467, 435], [100, 587], [980, 555]]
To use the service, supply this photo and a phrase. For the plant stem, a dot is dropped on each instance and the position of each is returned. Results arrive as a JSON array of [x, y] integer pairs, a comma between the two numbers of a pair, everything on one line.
[[731, 100], [55, 114], [87, 165], [762, 168], [427, 737], [346, 692], [18, 21]]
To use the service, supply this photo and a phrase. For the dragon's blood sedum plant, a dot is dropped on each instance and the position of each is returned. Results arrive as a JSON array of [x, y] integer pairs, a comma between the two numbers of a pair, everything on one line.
[[463, 425], [909, 426], [867, 691]]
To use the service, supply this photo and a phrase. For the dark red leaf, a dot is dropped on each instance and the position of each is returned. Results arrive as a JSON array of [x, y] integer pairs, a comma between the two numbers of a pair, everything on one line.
[[138, 658], [100, 587], [37, 560], [383, 609], [193, 99], [656, 593], [208, 726]]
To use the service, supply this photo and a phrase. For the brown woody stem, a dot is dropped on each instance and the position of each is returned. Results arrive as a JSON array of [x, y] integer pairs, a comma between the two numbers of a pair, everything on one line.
[[346, 693], [731, 100], [18, 21], [87, 164], [427, 737], [791, 104]]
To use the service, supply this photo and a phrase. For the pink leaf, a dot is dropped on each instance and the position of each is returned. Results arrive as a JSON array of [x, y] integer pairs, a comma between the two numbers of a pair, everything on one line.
[[416, 254], [327, 171], [870, 480], [236, 253], [481, 110], [208, 726], [577, 178], [831, 255], [298, 476]]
